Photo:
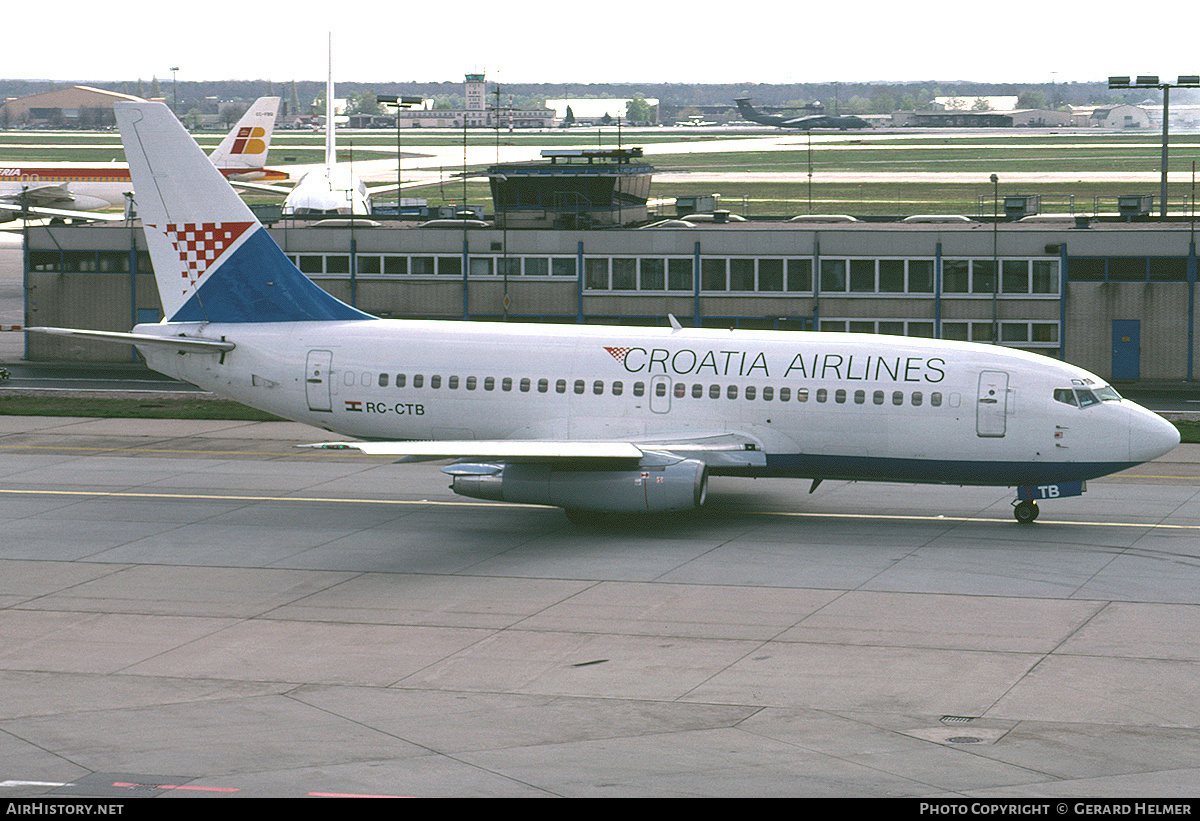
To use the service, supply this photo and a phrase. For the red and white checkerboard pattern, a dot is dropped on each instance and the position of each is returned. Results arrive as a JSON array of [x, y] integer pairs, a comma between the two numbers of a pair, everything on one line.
[[618, 354], [200, 244]]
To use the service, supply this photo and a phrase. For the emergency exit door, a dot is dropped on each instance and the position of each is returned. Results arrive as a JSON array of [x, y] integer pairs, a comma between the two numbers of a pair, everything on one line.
[[991, 406], [316, 381]]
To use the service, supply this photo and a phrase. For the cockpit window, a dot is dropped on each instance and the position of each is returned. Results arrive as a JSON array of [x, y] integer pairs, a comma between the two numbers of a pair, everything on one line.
[[1085, 397], [1066, 396]]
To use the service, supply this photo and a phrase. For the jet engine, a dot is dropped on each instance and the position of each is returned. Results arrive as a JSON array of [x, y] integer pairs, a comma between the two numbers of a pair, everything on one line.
[[656, 485]]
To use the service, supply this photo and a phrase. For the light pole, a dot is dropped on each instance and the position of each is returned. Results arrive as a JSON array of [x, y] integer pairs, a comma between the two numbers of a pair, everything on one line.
[[995, 259], [400, 102], [1152, 81], [175, 90]]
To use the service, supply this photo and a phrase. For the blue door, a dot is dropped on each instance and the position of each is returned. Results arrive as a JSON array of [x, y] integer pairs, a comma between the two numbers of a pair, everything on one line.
[[1126, 349]]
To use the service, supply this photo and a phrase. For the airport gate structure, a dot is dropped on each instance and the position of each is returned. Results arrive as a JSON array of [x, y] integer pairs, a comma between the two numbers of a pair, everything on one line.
[[1117, 298]]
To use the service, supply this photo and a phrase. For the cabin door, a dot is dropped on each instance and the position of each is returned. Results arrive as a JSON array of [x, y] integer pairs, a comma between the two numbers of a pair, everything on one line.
[[991, 406], [316, 382]]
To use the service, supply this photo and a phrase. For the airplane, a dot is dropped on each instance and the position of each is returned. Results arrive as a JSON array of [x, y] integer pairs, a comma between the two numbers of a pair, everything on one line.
[[806, 122], [74, 190], [332, 189], [598, 420]]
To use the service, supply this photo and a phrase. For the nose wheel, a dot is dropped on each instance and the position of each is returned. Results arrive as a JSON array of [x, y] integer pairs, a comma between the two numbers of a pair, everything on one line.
[[1026, 511]]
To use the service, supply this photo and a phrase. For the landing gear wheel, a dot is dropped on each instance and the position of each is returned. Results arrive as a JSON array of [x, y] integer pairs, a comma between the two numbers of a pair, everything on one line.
[[1026, 512]]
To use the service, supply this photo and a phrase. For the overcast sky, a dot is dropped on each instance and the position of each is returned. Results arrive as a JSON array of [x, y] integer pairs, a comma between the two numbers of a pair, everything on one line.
[[773, 41]]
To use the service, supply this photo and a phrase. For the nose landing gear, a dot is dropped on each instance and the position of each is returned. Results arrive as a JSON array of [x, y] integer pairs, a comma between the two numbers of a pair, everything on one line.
[[1025, 511]]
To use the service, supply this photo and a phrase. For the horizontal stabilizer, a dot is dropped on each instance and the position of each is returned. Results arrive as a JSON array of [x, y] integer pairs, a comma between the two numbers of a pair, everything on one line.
[[195, 344]]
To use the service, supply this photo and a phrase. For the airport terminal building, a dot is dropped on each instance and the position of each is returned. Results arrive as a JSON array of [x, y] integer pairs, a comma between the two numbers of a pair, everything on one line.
[[1115, 297]]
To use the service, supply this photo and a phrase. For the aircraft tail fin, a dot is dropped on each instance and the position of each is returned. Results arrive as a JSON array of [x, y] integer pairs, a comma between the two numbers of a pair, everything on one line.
[[247, 144], [213, 261]]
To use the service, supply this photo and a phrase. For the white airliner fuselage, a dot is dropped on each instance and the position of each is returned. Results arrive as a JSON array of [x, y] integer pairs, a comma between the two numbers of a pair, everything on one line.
[[814, 405]]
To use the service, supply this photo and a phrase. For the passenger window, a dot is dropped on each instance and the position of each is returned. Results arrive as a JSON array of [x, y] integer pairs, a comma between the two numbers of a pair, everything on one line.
[[452, 383], [801, 394], [822, 394], [714, 391], [935, 399], [751, 391], [877, 397], [731, 392], [680, 390], [598, 387], [897, 397], [489, 383], [579, 386], [525, 386], [917, 398], [399, 380], [839, 396], [383, 380], [660, 388], [618, 388], [639, 388], [697, 391], [471, 382], [506, 384], [543, 385], [561, 386], [768, 394], [418, 380], [435, 381], [785, 394], [860, 397]]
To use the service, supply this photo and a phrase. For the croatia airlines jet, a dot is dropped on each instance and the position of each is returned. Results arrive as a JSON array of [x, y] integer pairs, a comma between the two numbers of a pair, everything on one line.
[[66, 190], [598, 419]]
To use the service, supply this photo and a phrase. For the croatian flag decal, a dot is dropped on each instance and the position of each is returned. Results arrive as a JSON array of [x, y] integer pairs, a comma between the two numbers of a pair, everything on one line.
[[200, 244]]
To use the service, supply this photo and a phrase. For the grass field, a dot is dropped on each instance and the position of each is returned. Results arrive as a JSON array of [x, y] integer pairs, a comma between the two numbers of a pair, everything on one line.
[[1025, 152]]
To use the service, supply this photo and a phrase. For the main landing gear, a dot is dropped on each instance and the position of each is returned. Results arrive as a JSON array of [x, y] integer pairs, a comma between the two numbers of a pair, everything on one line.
[[1026, 511]]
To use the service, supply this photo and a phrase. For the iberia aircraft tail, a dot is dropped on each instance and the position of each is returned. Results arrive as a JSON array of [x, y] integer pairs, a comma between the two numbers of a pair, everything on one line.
[[214, 262], [246, 146]]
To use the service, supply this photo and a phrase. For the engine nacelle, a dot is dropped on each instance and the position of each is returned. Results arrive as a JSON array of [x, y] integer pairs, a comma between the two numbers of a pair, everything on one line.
[[679, 484]]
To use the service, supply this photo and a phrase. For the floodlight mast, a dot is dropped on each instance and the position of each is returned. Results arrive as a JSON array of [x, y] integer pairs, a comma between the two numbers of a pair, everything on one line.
[[1152, 81]]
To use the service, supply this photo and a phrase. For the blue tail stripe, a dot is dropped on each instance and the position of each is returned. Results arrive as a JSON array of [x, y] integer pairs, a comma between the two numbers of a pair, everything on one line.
[[258, 283]]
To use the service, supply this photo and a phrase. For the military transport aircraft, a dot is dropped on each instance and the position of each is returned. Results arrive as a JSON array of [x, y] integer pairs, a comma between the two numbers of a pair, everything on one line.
[[806, 121]]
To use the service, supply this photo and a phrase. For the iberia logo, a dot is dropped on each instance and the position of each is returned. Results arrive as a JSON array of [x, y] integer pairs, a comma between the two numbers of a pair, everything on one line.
[[249, 140], [200, 244], [618, 354]]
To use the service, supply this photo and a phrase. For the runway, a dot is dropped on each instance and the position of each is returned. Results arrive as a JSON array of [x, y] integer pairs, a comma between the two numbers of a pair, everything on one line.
[[200, 608]]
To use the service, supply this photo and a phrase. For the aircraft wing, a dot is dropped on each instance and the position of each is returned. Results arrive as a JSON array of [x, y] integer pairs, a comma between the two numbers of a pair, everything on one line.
[[716, 449], [10, 207], [261, 187]]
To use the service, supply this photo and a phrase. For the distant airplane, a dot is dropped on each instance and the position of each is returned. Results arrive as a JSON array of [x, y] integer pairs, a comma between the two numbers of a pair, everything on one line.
[[806, 122], [333, 188], [75, 190], [598, 419]]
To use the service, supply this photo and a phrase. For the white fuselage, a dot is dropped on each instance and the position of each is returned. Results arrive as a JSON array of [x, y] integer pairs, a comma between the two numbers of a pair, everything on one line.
[[819, 405]]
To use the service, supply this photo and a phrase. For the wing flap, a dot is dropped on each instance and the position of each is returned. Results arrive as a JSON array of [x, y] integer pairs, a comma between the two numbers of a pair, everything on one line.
[[727, 450]]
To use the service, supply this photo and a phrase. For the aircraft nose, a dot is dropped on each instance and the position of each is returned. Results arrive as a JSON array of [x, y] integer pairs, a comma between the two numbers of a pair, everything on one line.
[[1150, 436]]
